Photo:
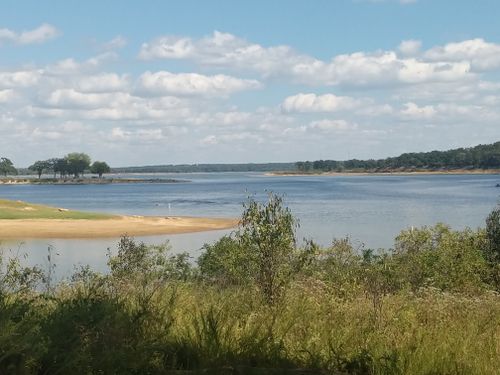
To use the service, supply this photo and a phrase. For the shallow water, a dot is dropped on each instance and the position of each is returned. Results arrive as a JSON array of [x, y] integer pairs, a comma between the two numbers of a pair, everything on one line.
[[371, 209]]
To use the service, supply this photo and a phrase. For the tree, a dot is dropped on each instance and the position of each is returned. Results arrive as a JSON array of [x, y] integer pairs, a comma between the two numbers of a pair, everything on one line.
[[262, 251], [77, 163], [60, 165], [6, 167], [40, 166], [492, 251], [267, 235], [100, 167]]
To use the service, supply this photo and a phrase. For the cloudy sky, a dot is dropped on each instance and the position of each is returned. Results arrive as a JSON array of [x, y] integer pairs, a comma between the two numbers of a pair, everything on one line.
[[161, 82]]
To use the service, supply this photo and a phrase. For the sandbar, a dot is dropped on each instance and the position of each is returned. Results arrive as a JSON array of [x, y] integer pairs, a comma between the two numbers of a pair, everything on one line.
[[114, 227]]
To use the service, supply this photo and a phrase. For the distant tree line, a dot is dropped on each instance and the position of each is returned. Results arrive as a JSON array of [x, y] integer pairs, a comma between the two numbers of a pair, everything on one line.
[[478, 157], [73, 164], [190, 168]]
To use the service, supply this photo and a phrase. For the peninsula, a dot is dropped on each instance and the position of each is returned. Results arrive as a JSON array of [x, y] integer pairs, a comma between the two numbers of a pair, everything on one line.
[[25, 220]]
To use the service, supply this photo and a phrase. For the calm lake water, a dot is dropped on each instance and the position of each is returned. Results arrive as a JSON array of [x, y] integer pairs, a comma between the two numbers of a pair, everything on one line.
[[370, 209]]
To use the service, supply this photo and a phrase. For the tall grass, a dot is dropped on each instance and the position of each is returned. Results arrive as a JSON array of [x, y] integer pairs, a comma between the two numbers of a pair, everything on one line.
[[429, 307], [139, 324]]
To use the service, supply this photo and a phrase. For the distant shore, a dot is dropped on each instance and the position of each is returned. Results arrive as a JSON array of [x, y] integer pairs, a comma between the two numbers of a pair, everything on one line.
[[388, 173], [85, 181]]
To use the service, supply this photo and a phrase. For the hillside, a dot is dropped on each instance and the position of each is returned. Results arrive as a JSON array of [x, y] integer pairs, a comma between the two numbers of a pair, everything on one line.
[[478, 157]]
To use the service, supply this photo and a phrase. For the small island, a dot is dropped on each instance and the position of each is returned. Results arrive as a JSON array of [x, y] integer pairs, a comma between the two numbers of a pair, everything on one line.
[[20, 219]]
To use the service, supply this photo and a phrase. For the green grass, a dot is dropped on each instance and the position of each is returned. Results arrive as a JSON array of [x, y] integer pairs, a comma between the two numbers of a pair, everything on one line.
[[16, 210]]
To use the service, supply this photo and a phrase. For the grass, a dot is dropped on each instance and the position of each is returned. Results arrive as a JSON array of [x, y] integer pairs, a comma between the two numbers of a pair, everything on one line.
[[18, 210], [432, 306]]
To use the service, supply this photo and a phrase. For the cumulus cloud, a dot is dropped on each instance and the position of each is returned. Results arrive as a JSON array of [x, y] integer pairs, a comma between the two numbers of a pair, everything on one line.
[[410, 47], [480, 54], [319, 103], [70, 98], [38, 35], [403, 91], [71, 66], [21, 78], [164, 83], [6, 95], [225, 50], [378, 68], [332, 125], [413, 111], [103, 82]]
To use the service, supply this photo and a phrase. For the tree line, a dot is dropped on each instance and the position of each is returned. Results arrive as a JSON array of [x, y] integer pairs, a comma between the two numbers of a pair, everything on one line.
[[478, 157], [73, 164]]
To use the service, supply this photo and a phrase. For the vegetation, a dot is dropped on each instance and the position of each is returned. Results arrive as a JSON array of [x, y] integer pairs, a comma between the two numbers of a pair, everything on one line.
[[430, 306], [40, 166], [99, 168], [479, 157], [22, 210], [73, 164], [193, 168], [77, 163], [6, 167]]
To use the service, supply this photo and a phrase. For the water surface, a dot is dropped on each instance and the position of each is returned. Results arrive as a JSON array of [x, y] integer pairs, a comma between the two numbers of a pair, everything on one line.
[[371, 209]]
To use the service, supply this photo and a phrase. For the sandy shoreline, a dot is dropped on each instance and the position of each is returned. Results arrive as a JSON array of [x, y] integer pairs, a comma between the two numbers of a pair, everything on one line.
[[115, 227]]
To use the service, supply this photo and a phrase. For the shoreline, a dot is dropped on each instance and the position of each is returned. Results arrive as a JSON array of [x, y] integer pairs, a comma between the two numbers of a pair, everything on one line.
[[109, 228], [389, 173], [87, 181]]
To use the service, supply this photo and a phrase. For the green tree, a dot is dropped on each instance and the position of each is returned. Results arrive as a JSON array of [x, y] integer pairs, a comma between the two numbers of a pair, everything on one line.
[[40, 166], [100, 167], [60, 165], [267, 235], [492, 252], [225, 263], [77, 163], [6, 167]]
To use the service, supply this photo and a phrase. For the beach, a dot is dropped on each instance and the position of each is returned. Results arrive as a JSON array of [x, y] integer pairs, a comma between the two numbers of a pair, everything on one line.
[[114, 227]]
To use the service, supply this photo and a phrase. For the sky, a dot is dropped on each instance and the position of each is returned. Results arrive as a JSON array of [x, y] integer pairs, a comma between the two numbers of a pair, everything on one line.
[[173, 82]]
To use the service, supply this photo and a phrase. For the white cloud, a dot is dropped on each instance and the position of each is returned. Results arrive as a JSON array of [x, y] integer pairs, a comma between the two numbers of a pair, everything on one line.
[[70, 98], [104, 82], [332, 125], [39, 35], [319, 103], [480, 54], [164, 83], [22, 78], [379, 68], [413, 111], [6, 95], [70, 66], [225, 50], [139, 136], [410, 47], [167, 47], [116, 43]]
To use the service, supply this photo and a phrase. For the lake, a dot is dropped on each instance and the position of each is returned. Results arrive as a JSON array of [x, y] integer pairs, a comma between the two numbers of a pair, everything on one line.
[[370, 209]]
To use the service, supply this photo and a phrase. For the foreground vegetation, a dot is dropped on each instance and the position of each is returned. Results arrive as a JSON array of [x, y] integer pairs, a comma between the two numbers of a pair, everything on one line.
[[256, 303], [13, 210]]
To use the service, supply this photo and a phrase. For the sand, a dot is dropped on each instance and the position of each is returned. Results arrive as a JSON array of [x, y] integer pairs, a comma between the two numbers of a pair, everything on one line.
[[115, 227]]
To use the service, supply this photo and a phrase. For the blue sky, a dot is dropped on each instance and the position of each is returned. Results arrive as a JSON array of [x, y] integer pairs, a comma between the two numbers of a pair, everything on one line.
[[156, 82]]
